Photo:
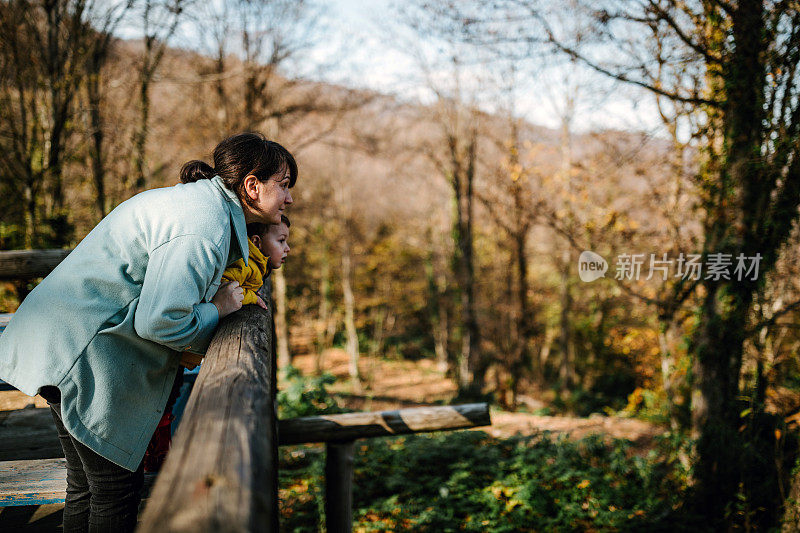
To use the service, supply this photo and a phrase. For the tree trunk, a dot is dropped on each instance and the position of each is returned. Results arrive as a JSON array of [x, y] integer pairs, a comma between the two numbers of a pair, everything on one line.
[[717, 346], [30, 214], [59, 102], [440, 337], [544, 352], [349, 315], [565, 373], [140, 134], [96, 132], [155, 44], [525, 319], [718, 341], [472, 365], [668, 341], [478, 363], [323, 340], [791, 510], [437, 289], [222, 100]]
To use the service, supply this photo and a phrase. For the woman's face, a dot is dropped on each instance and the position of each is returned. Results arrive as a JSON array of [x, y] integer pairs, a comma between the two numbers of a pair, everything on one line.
[[265, 201]]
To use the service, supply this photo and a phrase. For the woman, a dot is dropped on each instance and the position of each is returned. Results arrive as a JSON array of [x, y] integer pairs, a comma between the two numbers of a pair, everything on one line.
[[100, 336]]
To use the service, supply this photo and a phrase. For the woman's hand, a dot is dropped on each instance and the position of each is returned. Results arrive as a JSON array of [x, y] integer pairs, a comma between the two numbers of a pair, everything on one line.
[[228, 298]]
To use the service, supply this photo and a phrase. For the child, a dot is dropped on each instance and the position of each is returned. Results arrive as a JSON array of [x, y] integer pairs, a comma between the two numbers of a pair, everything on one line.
[[268, 250]]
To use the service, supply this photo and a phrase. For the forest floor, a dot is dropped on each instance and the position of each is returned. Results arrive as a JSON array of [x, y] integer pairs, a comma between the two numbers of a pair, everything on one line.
[[386, 385], [395, 384]]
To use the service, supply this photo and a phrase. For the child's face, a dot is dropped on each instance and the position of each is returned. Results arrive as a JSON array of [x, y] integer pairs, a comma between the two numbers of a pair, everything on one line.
[[273, 244]]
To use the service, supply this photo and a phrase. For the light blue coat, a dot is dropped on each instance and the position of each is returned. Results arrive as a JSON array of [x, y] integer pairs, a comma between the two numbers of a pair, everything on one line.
[[106, 325]]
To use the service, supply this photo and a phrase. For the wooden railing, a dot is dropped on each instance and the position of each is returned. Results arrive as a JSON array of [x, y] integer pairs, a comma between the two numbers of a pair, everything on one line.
[[222, 471], [340, 432], [29, 264]]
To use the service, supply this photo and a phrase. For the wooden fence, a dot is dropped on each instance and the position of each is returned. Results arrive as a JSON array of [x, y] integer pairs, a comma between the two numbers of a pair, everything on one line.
[[29, 264], [222, 471]]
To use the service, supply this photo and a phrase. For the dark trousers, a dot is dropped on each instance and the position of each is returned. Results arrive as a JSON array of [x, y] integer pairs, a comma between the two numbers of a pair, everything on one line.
[[101, 496]]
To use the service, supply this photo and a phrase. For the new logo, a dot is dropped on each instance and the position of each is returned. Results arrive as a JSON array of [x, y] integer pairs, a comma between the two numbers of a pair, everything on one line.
[[591, 266]]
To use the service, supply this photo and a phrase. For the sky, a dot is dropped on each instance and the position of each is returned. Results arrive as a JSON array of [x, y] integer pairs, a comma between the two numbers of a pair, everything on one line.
[[382, 62], [364, 45]]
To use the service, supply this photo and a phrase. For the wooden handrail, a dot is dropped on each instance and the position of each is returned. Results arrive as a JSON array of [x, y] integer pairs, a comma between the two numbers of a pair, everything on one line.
[[29, 264], [221, 473], [351, 426], [339, 433]]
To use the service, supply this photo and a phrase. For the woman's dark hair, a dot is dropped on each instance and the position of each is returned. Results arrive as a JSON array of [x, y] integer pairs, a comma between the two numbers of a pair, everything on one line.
[[239, 156]]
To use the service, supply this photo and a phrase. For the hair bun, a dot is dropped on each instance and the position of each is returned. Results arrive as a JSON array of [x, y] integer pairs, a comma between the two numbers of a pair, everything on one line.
[[196, 170]]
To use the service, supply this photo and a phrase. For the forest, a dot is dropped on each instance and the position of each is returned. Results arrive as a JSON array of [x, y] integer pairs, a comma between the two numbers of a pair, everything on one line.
[[646, 270]]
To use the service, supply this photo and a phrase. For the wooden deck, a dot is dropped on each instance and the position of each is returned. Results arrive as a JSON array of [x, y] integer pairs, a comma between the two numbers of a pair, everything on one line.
[[33, 482]]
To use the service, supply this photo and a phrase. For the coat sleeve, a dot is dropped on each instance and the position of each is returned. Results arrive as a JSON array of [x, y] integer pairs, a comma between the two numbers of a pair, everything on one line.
[[171, 310]]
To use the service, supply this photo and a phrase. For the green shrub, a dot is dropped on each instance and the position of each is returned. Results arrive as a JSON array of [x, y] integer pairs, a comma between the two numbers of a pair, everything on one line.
[[469, 481], [300, 395]]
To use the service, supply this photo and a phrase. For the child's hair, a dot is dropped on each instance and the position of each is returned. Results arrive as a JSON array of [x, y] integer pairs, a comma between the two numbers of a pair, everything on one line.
[[258, 228], [239, 156]]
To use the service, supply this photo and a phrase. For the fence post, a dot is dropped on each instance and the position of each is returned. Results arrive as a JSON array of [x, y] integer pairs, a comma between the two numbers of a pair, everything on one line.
[[339, 458]]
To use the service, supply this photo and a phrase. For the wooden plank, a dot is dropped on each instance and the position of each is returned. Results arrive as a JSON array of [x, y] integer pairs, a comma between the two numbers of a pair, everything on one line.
[[29, 264], [339, 486], [41, 482], [28, 434], [221, 474], [33, 482], [351, 426]]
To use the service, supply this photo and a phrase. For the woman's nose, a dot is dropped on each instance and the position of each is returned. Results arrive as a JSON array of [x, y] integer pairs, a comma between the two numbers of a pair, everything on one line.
[[289, 199]]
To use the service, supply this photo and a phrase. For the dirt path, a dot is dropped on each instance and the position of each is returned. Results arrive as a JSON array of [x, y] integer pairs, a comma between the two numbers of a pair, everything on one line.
[[396, 384]]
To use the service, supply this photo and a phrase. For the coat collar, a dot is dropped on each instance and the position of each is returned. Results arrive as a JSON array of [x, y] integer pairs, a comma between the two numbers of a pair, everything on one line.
[[238, 223]]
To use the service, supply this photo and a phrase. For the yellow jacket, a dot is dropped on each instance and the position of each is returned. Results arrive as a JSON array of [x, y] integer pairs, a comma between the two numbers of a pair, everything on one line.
[[250, 277]]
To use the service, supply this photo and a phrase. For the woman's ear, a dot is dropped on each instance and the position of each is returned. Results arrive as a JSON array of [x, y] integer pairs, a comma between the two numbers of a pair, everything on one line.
[[251, 186]]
